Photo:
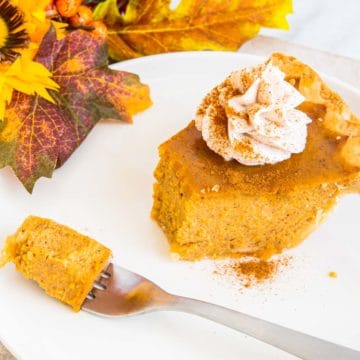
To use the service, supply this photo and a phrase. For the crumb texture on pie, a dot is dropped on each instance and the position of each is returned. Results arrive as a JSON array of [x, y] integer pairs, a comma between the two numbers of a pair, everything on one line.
[[259, 210], [63, 262], [336, 115]]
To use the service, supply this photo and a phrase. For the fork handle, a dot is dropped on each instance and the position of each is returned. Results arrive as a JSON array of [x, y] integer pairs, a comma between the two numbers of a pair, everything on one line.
[[304, 346]]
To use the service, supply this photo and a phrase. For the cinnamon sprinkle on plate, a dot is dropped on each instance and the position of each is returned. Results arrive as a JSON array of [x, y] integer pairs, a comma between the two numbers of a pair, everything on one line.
[[252, 271]]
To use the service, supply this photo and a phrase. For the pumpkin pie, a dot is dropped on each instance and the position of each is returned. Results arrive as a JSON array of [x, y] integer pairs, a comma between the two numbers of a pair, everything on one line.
[[63, 262], [210, 206]]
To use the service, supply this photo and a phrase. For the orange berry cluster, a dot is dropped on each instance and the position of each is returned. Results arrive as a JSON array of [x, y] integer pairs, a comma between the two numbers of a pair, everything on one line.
[[79, 15]]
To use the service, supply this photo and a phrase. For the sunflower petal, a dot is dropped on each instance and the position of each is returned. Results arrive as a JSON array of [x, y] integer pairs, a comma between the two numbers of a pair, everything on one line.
[[5, 97], [30, 77]]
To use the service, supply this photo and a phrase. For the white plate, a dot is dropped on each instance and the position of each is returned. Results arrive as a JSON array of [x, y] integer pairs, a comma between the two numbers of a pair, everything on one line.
[[105, 191]]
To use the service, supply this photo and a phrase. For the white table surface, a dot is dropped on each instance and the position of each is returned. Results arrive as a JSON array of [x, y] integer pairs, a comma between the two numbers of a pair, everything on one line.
[[329, 25]]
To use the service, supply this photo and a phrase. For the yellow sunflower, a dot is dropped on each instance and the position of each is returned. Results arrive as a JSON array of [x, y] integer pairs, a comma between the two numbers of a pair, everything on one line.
[[12, 37], [23, 24]]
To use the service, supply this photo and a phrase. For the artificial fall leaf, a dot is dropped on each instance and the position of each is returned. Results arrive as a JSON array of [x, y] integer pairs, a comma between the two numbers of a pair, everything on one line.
[[151, 27], [37, 136], [108, 11]]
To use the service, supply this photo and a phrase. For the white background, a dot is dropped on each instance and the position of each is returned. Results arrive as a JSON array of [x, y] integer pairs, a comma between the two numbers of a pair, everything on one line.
[[330, 25]]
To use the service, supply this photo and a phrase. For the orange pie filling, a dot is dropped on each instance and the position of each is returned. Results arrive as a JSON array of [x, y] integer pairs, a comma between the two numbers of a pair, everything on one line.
[[63, 262], [211, 207]]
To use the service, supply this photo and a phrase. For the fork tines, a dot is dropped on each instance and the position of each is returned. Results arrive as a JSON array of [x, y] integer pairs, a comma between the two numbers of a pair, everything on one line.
[[105, 274], [98, 285]]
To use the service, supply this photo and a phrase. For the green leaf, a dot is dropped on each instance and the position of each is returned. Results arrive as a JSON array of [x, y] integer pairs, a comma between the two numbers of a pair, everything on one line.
[[108, 12]]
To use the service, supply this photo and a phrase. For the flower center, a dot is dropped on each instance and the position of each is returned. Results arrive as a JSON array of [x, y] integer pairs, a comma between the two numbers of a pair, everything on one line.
[[13, 36], [4, 32]]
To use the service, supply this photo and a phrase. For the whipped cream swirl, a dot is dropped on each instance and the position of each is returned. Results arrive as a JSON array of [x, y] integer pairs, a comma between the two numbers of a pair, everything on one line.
[[251, 117]]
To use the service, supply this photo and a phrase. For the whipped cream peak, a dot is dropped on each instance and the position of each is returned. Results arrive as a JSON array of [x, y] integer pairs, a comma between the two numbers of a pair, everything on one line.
[[252, 117]]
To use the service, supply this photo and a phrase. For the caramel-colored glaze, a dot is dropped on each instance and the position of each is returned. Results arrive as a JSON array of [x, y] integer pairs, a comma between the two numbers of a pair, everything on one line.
[[319, 163]]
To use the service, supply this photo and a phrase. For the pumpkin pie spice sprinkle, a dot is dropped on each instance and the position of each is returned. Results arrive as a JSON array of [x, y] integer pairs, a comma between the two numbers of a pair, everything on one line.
[[251, 271]]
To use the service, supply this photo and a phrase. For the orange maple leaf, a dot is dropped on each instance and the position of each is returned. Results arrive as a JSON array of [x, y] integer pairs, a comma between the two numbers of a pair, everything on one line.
[[151, 27], [37, 136]]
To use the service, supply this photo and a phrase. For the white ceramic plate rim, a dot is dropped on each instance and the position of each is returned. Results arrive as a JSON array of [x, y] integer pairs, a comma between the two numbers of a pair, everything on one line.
[[220, 54]]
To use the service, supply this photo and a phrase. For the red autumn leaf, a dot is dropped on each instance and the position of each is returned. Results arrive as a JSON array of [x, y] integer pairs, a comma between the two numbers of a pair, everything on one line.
[[38, 136]]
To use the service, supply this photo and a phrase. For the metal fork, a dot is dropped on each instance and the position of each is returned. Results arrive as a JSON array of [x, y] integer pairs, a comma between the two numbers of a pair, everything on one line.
[[120, 292]]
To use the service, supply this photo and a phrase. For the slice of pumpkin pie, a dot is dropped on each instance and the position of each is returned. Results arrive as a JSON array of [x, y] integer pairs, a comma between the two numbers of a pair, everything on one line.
[[268, 154]]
